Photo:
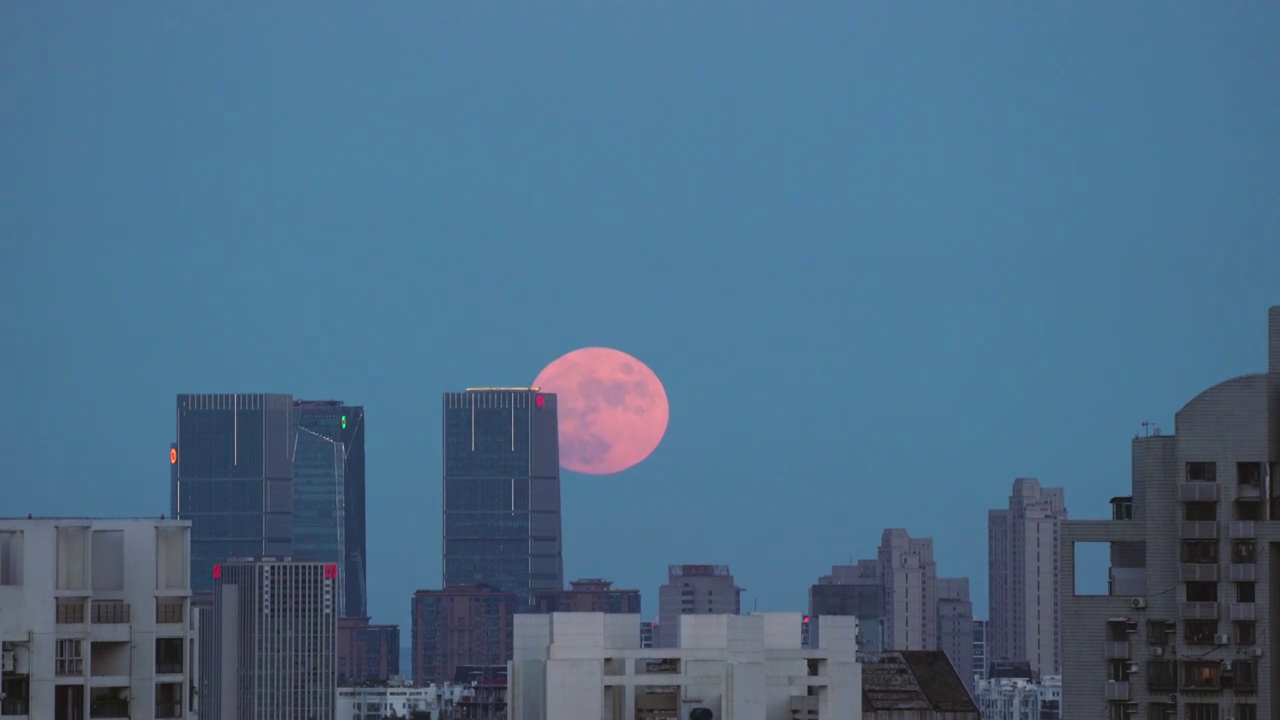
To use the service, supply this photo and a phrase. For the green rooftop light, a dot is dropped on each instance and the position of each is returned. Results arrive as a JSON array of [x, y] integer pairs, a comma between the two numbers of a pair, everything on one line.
[[344, 422]]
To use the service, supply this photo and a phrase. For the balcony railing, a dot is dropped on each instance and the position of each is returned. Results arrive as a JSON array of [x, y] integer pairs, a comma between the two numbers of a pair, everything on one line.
[[1197, 572], [14, 706], [1197, 492], [109, 709], [1117, 650], [1200, 611], [70, 613], [1243, 611], [168, 710], [110, 613], [69, 667], [169, 613], [1244, 573], [1117, 691], [169, 668], [1198, 530], [1243, 529]]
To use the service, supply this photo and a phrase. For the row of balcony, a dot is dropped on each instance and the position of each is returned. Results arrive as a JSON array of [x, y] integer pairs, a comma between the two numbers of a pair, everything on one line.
[[1211, 529], [111, 612], [1213, 611], [1203, 572]]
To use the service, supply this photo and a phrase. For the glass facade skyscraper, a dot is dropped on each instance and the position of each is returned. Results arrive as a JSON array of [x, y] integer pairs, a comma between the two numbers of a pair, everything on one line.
[[502, 490], [232, 477], [328, 494]]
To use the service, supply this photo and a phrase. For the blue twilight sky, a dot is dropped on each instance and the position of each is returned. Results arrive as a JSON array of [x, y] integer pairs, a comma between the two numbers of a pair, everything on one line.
[[885, 256]]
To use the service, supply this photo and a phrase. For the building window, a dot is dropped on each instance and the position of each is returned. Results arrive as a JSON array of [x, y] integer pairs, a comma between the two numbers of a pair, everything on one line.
[[1199, 632], [1249, 474], [69, 661], [10, 557], [1117, 630], [1246, 592], [1199, 511], [1202, 472], [1158, 632], [1244, 551], [1202, 711], [1200, 551], [1161, 676], [1249, 509], [1118, 670], [1202, 675], [1246, 633], [1116, 711], [1243, 676], [1161, 711], [1246, 711], [1202, 592]]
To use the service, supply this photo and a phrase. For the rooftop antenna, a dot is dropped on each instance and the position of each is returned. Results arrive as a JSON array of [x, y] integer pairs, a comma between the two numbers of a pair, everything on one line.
[[1147, 426]]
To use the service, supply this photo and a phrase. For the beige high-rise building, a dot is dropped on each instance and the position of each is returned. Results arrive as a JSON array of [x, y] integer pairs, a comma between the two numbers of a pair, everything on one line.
[[910, 578], [694, 590], [955, 627], [1023, 571], [1186, 625]]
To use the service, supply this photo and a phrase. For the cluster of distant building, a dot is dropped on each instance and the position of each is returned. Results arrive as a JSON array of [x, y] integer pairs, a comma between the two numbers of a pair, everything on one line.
[[250, 599]]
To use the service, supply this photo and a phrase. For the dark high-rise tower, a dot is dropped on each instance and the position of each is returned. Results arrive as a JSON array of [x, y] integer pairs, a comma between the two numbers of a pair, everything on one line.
[[328, 494], [232, 477], [502, 490]]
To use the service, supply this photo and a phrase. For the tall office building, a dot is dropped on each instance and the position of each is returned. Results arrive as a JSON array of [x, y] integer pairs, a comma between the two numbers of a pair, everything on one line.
[[232, 477], [1022, 558], [502, 490], [955, 627], [694, 590], [275, 622], [1186, 625], [328, 494]]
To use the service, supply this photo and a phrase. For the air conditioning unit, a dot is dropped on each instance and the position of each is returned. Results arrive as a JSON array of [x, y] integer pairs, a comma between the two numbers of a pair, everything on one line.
[[1132, 668], [1221, 639], [1157, 652], [1139, 603], [1256, 652], [1173, 699], [7, 663]]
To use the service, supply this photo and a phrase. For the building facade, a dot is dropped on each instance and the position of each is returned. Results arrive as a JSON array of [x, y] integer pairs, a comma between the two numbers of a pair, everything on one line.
[[590, 666], [955, 627], [588, 595], [275, 621], [694, 590], [1020, 698], [855, 591], [461, 625], [94, 619], [910, 576], [328, 494], [1023, 567], [232, 477], [366, 652], [502, 490], [1183, 627], [981, 630]]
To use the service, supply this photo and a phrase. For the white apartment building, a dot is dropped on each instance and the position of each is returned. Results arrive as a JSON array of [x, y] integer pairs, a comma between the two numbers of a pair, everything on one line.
[[94, 619], [397, 698], [1020, 699], [590, 666]]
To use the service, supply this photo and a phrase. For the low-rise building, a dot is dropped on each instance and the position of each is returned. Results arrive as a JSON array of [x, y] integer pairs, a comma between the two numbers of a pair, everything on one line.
[[568, 666], [367, 652], [1007, 698], [396, 697], [914, 685], [94, 618]]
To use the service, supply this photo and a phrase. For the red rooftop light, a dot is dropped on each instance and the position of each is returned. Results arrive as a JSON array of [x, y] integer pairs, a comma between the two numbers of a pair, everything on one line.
[[217, 572], [330, 572], [539, 401]]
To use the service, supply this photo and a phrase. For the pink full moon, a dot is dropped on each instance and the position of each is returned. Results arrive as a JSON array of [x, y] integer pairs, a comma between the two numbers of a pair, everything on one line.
[[612, 409]]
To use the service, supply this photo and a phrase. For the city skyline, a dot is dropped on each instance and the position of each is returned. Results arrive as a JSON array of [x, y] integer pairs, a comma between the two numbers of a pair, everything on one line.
[[878, 283]]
